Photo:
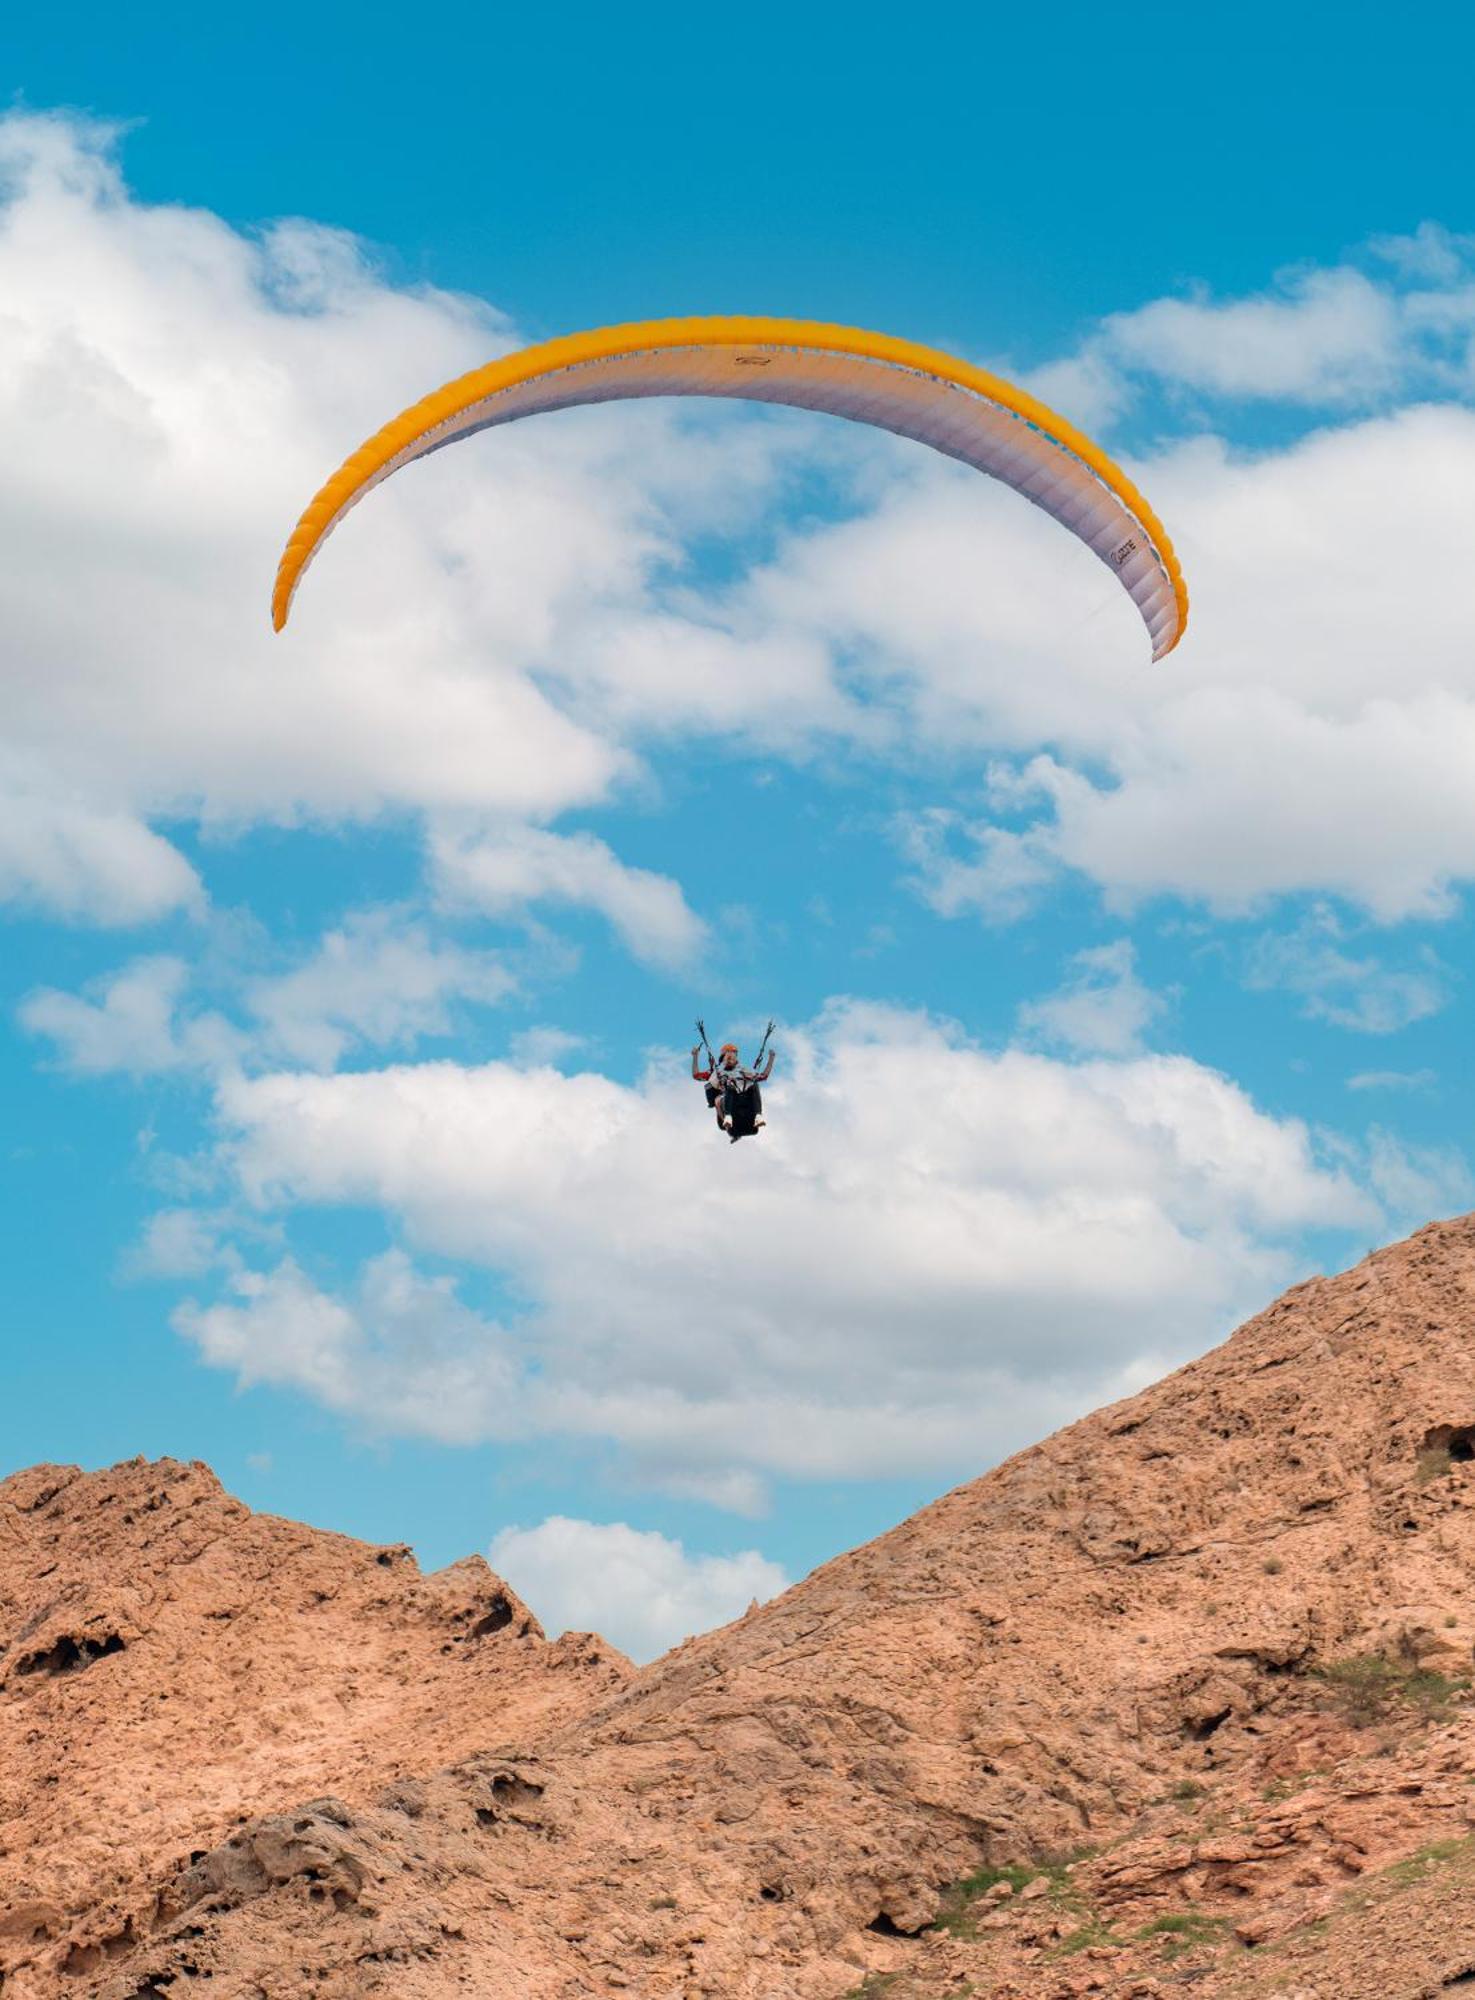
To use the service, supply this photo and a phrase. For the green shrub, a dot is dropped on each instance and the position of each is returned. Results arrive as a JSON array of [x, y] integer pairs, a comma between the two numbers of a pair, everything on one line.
[[954, 1912], [1094, 1931], [1182, 1923], [1366, 1688], [1182, 1931]]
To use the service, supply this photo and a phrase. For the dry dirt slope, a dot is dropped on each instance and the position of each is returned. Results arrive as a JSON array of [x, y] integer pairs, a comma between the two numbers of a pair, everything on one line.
[[1179, 1697]]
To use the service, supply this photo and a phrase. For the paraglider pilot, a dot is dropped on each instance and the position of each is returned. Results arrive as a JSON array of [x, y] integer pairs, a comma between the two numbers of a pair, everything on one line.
[[733, 1092]]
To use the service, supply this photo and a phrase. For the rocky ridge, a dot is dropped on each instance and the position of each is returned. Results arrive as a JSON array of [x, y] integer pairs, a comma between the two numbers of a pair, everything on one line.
[[171, 1664], [1178, 1698]]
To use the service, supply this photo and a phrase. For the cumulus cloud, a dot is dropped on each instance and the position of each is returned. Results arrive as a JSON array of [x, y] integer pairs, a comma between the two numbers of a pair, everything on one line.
[[1326, 336], [402, 1353], [961, 865], [502, 872], [1417, 1182], [128, 1022], [499, 642], [1315, 733], [1432, 254], [171, 393], [937, 1251], [640, 1589], [1334, 984], [86, 862], [379, 980], [543, 1047], [934, 1253], [1103, 1008], [181, 1243], [1397, 322]]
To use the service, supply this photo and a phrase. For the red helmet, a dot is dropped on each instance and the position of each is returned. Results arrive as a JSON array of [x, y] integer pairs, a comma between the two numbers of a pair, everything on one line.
[[728, 1048]]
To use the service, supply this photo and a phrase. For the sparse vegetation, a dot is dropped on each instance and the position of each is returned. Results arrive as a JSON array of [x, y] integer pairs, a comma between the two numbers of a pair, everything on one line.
[[1415, 1866], [956, 1911], [873, 1986], [1187, 1789], [1286, 1788], [1434, 1462], [1367, 1688], [1186, 1930], [1273, 1565], [1185, 1923], [1095, 1931]]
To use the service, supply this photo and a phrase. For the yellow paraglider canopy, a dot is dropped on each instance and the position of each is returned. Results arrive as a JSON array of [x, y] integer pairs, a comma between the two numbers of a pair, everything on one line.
[[895, 385]]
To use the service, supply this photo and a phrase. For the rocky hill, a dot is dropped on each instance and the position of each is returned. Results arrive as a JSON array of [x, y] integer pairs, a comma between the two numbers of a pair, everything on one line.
[[171, 1665], [1179, 1699]]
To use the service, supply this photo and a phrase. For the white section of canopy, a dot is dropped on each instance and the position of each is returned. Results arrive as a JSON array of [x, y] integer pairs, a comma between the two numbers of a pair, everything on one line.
[[950, 418]]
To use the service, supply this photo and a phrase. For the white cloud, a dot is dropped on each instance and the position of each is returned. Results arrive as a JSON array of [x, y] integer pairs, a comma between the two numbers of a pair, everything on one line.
[[1103, 1008], [86, 862], [499, 873], [403, 1354], [171, 394], [999, 875], [497, 639], [1360, 993], [1397, 324], [543, 1047], [1417, 1182], [934, 1253], [640, 1589], [180, 1243], [1324, 337], [379, 981], [1315, 733], [1393, 1079], [1432, 254], [130, 1025]]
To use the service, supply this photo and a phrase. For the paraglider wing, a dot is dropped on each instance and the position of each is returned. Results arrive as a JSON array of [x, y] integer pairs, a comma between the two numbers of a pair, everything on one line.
[[895, 385]]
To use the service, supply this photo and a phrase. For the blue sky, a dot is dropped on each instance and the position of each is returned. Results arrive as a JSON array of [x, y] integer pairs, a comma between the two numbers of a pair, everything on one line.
[[348, 977]]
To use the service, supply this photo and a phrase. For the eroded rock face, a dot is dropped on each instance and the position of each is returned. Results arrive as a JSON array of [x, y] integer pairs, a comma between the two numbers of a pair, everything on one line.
[[1195, 1669], [171, 1665]]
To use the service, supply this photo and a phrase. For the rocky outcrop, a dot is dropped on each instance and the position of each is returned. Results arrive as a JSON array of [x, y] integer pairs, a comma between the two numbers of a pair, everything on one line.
[[1179, 1696], [172, 1665]]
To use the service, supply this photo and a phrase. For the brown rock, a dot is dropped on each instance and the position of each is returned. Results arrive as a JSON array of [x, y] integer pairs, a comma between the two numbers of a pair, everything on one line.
[[238, 1749]]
